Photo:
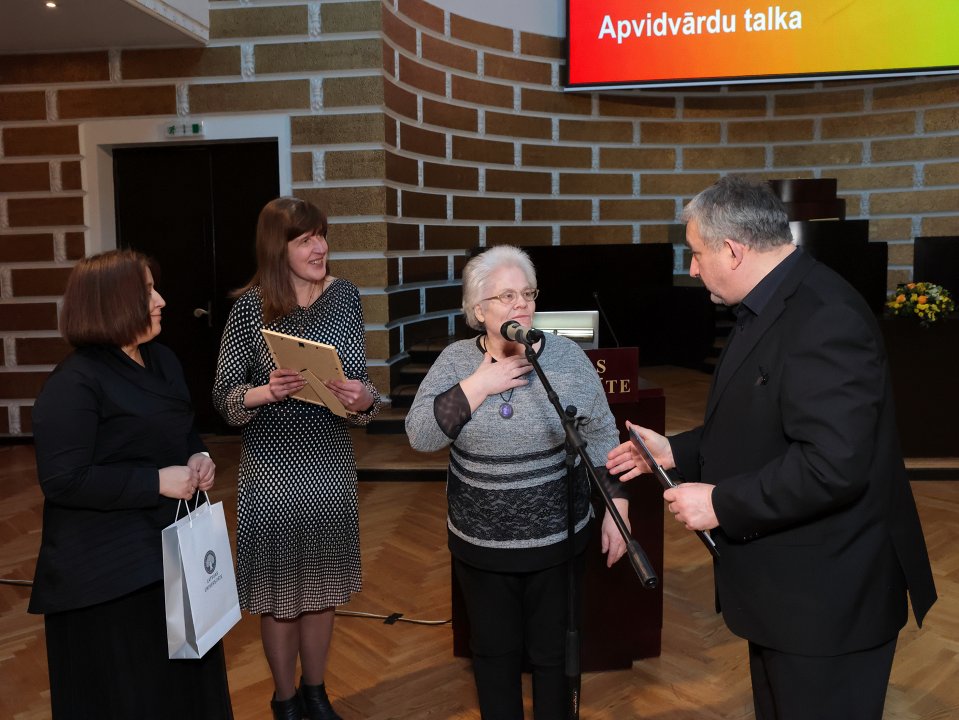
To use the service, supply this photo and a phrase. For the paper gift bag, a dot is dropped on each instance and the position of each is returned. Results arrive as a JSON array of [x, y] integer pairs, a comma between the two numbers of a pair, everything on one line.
[[198, 581]]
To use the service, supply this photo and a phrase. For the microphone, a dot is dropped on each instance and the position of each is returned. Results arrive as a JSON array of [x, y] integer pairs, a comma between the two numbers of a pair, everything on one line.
[[602, 314], [512, 330]]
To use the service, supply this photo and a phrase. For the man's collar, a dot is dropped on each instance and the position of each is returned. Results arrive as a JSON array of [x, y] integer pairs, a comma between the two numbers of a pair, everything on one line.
[[757, 298]]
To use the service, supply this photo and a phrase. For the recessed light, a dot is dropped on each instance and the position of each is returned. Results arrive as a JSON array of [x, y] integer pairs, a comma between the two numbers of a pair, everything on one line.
[[51, 4]]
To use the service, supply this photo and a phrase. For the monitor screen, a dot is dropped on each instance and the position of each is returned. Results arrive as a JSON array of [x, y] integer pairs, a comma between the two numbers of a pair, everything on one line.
[[664, 43], [580, 326]]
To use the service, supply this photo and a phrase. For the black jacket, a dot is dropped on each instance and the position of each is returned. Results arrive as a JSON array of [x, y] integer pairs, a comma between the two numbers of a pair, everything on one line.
[[819, 537], [103, 427]]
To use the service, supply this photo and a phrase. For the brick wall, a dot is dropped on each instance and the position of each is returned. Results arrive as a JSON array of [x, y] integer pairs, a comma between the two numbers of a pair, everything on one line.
[[483, 147], [424, 134], [318, 63]]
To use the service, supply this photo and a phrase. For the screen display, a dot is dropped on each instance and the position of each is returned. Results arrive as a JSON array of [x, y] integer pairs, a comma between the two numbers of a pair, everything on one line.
[[663, 43]]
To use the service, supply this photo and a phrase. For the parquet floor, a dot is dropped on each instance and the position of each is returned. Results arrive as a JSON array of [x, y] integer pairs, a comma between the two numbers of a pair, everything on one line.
[[407, 671]]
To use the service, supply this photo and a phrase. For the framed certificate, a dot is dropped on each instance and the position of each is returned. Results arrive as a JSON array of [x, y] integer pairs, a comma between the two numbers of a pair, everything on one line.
[[660, 474], [667, 482], [315, 361]]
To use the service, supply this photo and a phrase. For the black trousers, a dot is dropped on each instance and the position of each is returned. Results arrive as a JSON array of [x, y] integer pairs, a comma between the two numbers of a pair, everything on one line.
[[512, 615], [799, 687]]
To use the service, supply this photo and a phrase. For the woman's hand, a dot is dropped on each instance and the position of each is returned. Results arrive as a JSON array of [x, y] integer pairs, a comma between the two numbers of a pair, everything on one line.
[[354, 394], [178, 482], [628, 462], [613, 544], [491, 378], [205, 470], [282, 383]]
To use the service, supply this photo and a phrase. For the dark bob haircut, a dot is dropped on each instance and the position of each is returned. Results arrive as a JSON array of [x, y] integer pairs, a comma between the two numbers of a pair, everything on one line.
[[107, 301]]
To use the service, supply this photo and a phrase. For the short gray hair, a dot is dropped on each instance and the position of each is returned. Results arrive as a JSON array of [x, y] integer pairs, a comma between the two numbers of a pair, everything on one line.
[[479, 268], [742, 210]]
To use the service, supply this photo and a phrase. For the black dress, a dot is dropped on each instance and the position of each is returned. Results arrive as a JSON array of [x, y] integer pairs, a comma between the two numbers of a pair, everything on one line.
[[103, 426], [298, 534]]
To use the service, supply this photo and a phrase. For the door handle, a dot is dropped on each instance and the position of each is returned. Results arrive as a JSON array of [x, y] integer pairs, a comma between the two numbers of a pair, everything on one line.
[[200, 312]]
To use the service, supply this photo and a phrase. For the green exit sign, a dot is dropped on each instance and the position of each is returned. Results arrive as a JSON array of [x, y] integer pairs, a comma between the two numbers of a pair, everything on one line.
[[183, 128]]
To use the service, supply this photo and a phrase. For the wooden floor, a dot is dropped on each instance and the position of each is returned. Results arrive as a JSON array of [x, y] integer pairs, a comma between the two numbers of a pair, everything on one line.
[[407, 671]]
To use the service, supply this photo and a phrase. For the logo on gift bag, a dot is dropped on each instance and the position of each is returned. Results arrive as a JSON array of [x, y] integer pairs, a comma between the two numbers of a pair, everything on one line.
[[209, 562]]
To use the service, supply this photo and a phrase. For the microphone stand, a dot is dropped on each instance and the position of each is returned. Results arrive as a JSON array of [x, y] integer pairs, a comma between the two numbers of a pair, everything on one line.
[[575, 445]]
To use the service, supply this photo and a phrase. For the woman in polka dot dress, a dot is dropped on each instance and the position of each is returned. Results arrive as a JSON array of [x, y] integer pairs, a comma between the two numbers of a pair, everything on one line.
[[298, 554]]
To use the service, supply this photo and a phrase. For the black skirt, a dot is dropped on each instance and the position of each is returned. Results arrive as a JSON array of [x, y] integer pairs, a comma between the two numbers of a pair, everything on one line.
[[109, 661]]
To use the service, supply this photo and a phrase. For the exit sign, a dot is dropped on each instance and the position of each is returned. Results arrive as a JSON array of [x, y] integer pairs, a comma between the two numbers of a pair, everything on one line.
[[183, 128]]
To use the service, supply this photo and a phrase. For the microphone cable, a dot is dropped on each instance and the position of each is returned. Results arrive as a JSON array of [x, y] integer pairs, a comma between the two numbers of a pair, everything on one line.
[[387, 619], [392, 618]]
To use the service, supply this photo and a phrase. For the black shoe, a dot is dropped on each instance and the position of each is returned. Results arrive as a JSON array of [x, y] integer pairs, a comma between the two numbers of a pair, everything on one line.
[[291, 709], [316, 705]]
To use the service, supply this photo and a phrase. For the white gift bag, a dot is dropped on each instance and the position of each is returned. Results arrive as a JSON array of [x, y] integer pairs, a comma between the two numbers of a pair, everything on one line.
[[198, 581]]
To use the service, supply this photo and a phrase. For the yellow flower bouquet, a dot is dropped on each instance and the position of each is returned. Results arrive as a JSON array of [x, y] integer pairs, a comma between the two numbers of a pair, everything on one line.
[[921, 300]]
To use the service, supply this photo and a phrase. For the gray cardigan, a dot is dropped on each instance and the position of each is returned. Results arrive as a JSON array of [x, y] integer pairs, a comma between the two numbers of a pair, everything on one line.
[[506, 484]]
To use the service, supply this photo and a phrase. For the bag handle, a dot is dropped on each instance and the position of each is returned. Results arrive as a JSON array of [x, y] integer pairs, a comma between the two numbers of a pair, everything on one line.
[[186, 502]]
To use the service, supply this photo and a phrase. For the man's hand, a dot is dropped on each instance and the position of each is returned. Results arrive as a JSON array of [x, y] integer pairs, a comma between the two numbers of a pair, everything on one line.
[[692, 505]]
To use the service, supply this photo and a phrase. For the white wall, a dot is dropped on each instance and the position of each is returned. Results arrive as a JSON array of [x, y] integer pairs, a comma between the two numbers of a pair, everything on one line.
[[544, 17]]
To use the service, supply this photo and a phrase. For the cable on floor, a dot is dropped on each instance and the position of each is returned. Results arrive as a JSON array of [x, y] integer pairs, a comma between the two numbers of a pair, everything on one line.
[[390, 619]]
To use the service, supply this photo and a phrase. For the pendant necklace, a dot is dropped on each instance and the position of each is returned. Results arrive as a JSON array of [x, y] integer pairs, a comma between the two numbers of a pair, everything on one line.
[[309, 300], [505, 408]]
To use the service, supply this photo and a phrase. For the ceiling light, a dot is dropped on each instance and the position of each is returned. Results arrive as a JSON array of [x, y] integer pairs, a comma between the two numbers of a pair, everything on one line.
[[51, 4]]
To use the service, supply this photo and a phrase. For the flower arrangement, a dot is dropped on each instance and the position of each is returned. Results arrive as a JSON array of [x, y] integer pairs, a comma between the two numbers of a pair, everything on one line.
[[922, 300]]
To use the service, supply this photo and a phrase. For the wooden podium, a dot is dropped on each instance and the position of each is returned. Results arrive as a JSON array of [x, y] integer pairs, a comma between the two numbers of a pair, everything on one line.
[[621, 621]]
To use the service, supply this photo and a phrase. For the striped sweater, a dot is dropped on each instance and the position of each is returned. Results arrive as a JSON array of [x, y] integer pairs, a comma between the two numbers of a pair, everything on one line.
[[506, 482]]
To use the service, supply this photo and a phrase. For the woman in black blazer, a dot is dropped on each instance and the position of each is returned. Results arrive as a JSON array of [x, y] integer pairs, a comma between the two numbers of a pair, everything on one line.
[[116, 450]]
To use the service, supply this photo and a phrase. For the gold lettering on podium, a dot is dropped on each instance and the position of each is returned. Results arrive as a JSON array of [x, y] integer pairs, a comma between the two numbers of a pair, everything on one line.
[[617, 386], [612, 386], [617, 369]]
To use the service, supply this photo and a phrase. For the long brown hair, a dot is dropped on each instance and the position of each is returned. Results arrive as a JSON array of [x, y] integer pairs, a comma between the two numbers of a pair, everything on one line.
[[106, 301], [281, 220]]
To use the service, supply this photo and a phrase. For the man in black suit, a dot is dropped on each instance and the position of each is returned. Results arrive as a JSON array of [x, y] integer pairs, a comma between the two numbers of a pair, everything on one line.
[[797, 469]]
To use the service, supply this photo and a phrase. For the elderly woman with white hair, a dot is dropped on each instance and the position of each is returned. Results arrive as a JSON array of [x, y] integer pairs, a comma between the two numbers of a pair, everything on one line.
[[506, 482]]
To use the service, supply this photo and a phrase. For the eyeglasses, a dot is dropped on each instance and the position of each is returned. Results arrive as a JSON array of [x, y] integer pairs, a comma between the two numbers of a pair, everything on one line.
[[508, 297]]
